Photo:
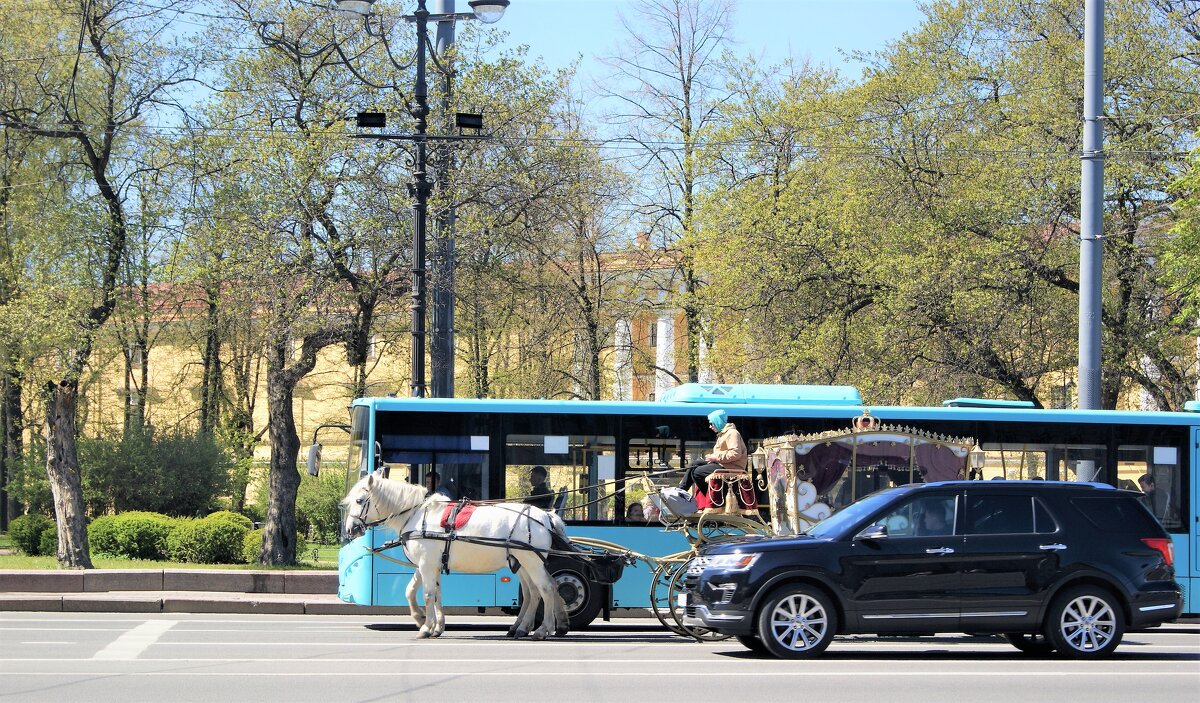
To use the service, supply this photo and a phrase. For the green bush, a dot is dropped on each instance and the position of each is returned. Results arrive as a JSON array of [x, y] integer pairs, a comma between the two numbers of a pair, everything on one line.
[[317, 505], [236, 518], [252, 545], [175, 473], [48, 544], [26, 531], [132, 535], [207, 541]]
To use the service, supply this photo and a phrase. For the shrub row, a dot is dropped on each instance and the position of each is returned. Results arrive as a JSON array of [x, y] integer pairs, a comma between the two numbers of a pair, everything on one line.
[[215, 539], [223, 537]]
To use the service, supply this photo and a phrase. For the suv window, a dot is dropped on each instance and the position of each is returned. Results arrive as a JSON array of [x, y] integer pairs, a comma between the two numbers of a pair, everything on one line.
[[1043, 521], [924, 516], [1000, 515], [1116, 513]]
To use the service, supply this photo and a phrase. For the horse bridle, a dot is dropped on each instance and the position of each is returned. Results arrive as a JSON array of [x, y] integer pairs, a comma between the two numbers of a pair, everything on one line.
[[361, 517]]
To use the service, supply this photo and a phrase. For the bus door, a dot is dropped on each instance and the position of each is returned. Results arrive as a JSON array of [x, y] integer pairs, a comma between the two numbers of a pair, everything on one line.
[[1191, 584]]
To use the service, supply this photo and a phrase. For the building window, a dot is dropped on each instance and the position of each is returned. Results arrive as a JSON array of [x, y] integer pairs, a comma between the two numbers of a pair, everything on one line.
[[652, 335]]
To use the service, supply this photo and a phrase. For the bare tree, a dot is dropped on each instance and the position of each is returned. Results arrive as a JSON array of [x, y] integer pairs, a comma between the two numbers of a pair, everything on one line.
[[673, 61]]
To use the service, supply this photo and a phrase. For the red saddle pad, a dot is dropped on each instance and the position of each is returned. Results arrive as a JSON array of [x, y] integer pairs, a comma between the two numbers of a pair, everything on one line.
[[460, 517]]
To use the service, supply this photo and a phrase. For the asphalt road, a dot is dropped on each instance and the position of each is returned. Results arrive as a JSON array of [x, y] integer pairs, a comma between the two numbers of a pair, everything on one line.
[[331, 659]]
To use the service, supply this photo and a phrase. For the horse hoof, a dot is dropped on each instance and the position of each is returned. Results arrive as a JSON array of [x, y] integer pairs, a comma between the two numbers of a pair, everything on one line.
[[561, 632], [537, 635], [422, 635], [519, 634], [512, 631]]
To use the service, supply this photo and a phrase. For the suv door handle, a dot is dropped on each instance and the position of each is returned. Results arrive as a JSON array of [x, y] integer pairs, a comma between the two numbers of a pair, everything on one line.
[[1052, 547], [940, 550]]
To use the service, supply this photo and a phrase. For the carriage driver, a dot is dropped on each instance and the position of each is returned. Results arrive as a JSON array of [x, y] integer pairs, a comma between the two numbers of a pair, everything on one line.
[[729, 453]]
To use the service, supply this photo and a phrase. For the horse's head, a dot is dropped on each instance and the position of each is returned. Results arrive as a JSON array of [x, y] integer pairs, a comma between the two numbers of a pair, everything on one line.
[[358, 509], [375, 500]]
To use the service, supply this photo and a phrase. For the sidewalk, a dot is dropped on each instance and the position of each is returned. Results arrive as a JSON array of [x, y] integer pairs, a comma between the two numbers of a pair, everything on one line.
[[179, 591]]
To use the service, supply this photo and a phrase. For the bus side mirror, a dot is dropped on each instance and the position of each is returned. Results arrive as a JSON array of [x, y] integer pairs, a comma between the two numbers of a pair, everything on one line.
[[314, 459]]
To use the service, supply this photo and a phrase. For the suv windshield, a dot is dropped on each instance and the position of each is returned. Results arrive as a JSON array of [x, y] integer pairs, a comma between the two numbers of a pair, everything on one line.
[[835, 525]]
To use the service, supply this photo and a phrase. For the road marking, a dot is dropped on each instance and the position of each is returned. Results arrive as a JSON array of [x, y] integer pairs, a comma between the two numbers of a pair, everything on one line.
[[47, 642], [605, 674], [707, 661], [135, 641]]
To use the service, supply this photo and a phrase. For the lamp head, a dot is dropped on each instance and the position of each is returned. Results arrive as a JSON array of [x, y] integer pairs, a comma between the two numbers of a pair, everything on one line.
[[355, 7], [978, 457], [487, 11]]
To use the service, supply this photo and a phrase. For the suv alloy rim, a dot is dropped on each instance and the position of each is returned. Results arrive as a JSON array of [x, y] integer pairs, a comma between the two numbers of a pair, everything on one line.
[[799, 622], [1087, 623]]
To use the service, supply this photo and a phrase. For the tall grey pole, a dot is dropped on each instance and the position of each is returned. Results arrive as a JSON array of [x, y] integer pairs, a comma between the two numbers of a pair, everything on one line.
[[441, 352], [421, 188], [1091, 215]]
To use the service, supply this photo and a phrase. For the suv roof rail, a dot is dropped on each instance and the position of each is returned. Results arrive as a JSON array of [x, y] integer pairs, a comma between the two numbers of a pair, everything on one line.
[[987, 403]]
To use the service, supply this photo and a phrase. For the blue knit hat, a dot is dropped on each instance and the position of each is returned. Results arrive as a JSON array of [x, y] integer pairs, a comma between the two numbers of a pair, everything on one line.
[[718, 418]]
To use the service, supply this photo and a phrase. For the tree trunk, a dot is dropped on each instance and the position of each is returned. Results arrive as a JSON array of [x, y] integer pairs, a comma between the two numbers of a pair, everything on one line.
[[62, 467], [210, 382], [279, 531], [11, 423]]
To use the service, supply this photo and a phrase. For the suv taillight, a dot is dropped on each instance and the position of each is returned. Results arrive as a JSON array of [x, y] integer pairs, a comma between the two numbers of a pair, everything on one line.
[[1164, 546]]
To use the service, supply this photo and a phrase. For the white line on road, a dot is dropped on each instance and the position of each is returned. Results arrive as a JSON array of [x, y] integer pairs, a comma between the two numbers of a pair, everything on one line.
[[606, 674], [136, 641], [707, 661]]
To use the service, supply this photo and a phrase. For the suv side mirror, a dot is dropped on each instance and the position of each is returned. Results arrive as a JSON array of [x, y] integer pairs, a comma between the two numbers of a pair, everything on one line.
[[878, 531]]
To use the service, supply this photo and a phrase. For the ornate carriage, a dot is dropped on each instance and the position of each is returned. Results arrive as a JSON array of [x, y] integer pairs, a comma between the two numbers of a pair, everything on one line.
[[804, 479]]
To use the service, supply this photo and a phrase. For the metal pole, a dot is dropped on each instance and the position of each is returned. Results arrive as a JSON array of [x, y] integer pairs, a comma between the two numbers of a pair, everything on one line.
[[1091, 216], [441, 352], [421, 187]]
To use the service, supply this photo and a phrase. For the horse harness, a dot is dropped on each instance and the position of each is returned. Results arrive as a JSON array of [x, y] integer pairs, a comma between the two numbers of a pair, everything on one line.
[[451, 523]]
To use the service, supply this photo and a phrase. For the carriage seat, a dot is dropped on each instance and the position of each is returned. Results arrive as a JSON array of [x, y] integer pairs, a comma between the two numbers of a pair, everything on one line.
[[560, 501], [728, 492]]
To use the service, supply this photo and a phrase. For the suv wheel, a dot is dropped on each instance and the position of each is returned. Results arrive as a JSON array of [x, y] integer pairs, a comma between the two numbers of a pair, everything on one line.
[[796, 622], [753, 643], [1030, 642], [1085, 622]]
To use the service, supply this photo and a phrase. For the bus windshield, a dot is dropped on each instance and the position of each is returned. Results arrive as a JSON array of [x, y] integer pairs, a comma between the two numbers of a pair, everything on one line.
[[356, 462]]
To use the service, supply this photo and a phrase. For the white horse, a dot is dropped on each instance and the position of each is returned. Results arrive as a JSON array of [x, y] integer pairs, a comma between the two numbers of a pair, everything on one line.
[[494, 534]]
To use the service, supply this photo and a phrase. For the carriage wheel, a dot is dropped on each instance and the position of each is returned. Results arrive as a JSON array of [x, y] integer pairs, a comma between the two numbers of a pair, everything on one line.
[[664, 599], [660, 595], [700, 634]]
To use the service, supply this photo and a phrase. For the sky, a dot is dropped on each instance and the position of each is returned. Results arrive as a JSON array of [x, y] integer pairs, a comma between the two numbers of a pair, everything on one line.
[[559, 31]]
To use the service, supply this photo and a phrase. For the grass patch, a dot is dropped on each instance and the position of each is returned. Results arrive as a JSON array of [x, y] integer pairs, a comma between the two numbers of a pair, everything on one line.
[[327, 560]]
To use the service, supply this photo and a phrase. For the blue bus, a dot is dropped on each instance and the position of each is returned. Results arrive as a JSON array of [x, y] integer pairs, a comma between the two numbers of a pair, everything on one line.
[[593, 450]]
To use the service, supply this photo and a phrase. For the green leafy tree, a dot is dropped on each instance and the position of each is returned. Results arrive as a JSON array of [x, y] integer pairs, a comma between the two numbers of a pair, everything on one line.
[[82, 76]]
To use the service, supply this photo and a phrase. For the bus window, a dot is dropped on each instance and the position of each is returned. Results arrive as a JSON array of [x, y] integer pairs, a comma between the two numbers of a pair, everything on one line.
[[460, 462], [1052, 462], [651, 457], [1154, 472], [583, 465]]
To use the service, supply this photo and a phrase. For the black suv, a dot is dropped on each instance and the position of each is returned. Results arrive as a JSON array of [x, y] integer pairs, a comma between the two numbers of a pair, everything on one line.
[[1065, 567]]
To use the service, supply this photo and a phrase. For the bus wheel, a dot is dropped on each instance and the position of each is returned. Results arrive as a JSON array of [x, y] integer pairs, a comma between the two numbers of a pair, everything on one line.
[[581, 597]]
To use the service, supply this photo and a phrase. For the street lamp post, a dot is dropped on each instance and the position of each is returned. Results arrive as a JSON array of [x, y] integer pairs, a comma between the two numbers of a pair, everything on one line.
[[488, 11]]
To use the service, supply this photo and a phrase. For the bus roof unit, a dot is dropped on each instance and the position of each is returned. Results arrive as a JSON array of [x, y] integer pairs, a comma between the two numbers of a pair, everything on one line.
[[762, 393], [987, 403]]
